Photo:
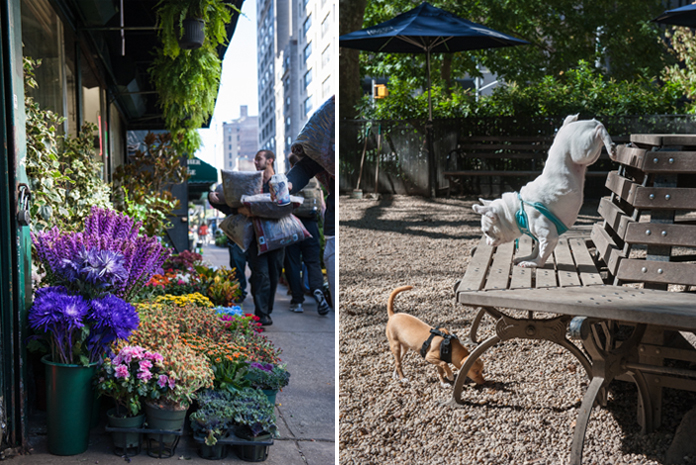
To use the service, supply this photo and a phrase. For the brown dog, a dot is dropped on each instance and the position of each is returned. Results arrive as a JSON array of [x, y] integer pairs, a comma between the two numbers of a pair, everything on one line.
[[406, 332]]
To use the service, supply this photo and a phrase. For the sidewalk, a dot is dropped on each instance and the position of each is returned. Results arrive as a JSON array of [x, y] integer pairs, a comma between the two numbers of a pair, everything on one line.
[[305, 408]]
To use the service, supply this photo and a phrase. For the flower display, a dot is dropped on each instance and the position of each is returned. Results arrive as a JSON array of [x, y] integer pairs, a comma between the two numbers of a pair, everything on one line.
[[243, 324], [128, 377], [107, 256], [214, 417], [78, 330], [184, 261]]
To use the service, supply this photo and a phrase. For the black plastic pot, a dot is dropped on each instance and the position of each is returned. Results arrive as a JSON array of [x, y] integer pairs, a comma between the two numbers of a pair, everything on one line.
[[194, 34]]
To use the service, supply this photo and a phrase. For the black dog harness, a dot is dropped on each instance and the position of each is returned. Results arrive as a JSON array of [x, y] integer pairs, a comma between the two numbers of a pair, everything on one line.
[[445, 347]]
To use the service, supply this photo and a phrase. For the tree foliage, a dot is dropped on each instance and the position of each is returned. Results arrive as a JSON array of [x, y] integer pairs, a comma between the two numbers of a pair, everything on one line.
[[683, 75], [618, 37], [582, 89]]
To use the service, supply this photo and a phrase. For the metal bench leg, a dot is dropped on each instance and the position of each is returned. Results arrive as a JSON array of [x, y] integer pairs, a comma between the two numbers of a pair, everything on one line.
[[583, 419], [645, 405], [456, 400]]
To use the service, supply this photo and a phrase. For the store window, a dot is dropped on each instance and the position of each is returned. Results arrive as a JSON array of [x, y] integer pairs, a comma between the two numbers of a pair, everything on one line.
[[42, 36]]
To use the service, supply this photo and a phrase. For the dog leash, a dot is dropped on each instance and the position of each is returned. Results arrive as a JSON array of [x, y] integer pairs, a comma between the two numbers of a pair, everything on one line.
[[445, 347], [523, 221]]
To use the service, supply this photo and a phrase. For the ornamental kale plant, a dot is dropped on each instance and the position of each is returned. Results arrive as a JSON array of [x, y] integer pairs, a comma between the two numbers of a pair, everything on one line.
[[107, 257], [253, 412], [129, 376], [267, 376], [78, 330]]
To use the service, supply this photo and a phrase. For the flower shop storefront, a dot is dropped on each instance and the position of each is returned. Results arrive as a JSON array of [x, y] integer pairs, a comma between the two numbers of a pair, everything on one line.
[[75, 79]]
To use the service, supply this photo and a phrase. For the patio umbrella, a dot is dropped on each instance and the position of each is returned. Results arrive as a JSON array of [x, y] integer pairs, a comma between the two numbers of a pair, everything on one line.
[[427, 29], [684, 16]]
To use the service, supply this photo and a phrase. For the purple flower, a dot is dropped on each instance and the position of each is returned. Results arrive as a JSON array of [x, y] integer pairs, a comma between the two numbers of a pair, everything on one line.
[[145, 375], [162, 381], [114, 317], [172, 383], [102, 267], [268, 367], [55, 310]]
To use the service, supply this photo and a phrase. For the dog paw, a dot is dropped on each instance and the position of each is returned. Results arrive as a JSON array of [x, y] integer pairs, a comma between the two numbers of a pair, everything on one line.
[[445, 385], [527, 264]]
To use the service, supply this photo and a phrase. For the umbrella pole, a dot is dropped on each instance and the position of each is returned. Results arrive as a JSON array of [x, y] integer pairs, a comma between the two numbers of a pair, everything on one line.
[[362, 159], [432, 169]]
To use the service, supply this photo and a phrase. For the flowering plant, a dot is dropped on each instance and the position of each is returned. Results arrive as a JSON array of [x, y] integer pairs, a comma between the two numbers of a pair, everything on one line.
[[107, 256], [174, 283], [187, 371], [267, 376], [185, 261], [78, 330], [241, 323], [223, 288], [129, 376]]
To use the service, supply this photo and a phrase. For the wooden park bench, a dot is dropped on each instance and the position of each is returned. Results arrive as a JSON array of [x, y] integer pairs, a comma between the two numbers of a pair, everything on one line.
[[623, 291], [501, 156]]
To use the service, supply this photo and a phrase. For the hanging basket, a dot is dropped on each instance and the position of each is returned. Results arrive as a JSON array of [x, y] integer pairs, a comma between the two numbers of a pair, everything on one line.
[[194, 34]]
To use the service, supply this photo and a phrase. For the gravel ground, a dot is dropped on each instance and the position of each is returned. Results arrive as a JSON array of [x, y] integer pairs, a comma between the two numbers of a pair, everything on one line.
[[526, 416]]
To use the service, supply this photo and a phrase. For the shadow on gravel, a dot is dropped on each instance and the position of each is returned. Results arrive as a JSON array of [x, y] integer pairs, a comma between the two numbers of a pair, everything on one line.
[[373, 220]]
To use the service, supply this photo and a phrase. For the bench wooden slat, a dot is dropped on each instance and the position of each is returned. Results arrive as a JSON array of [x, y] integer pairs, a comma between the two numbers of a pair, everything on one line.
[[666, 198], [522, 277], [565, 265], [546, 276], [656, 162], [620, 186], [499, 271], [589, 275], [478, 267], [608, 251], [666, 309], [631, 269], [661, 234], [664, 140], [615, 217], [497, 146], [591, 174]]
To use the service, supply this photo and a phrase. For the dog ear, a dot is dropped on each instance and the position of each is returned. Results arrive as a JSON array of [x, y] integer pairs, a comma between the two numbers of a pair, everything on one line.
[[571, 119], [481, 210], [485, 202]]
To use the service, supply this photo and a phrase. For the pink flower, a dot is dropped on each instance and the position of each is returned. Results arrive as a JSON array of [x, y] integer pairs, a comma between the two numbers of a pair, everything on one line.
[[154, 356], [162, 382], [122, 371], [117, 360], [145, 375], [171, 383], [145, 365]]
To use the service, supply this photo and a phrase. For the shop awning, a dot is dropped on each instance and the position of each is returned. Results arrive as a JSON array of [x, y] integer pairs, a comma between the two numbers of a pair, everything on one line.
[[202, 176]]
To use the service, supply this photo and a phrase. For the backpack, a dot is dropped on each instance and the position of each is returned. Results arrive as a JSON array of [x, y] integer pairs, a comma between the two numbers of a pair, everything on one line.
[[313, 196]]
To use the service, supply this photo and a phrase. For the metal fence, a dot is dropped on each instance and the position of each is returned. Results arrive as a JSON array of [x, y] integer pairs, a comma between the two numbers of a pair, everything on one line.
[[400, 147]]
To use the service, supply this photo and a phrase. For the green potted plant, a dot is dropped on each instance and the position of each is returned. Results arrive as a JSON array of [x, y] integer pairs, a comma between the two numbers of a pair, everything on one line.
[[211, 422], [254, 420], [268, 377], [125, 378]]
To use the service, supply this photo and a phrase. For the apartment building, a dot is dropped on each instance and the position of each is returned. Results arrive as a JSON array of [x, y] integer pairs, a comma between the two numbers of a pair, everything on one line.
[[240, 141]]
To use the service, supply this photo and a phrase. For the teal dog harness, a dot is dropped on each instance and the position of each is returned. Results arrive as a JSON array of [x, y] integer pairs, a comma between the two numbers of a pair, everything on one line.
[[523, 220]]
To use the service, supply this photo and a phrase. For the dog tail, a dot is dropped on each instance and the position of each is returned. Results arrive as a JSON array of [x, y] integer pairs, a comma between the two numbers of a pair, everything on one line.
[[390, 304]]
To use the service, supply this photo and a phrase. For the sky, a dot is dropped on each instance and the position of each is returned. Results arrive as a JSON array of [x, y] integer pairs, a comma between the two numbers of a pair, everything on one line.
[[238, 85]]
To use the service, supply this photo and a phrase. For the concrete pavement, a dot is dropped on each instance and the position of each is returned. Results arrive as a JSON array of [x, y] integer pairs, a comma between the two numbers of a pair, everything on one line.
[[305, 408]]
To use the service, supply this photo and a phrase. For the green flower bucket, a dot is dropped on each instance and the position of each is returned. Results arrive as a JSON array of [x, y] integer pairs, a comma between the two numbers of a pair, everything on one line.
[[69, 401], [271, 394]]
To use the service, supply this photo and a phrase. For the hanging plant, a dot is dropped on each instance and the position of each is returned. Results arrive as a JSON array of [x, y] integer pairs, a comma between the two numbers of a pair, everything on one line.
[[172, 13], [188, 86]]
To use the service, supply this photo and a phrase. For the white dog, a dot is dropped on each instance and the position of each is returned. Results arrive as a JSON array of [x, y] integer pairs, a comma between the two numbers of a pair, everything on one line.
[[549, 205]]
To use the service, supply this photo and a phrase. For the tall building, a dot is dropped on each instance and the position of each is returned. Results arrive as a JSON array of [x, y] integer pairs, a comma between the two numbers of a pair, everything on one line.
[[240, 141], [296, 61]]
